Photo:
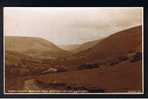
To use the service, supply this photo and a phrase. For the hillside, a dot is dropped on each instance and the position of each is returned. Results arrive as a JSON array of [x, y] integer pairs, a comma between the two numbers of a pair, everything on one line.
[[122, 77], [35, 47], [75, 48], [85, 46], [70, 47], [118, 44]]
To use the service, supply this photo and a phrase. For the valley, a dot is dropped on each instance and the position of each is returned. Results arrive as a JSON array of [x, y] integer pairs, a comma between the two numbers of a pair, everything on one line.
[[112, 64]]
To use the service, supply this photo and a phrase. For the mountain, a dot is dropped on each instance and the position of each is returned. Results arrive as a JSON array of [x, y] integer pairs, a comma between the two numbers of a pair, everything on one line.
[[70, 47], [35, 47], [85, 46], [75, 48], [118, 44]]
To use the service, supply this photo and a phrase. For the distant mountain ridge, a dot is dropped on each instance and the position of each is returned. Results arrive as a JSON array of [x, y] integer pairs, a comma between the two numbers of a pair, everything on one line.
[[75, 48], [70, 47], [86, 46]]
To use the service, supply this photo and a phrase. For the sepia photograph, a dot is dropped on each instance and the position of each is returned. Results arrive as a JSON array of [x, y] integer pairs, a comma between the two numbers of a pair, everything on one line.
[[73, 50]]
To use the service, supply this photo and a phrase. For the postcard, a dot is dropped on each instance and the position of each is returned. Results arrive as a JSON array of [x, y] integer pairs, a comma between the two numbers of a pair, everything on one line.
[[73, 50]]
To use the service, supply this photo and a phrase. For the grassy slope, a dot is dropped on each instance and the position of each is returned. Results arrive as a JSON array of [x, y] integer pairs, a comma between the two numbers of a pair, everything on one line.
[[35, 47], [117, 44]]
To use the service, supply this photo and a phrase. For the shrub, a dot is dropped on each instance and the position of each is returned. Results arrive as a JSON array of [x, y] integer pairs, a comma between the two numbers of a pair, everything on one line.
[[123, 58], [114, 62], [136, 57], [87, 66]]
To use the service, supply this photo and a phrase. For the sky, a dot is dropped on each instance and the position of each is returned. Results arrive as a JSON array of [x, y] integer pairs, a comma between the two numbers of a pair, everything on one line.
[[69, 25]]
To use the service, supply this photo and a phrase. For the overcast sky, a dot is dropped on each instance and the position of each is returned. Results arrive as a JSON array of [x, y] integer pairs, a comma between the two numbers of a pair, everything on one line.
[[69, 25]]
